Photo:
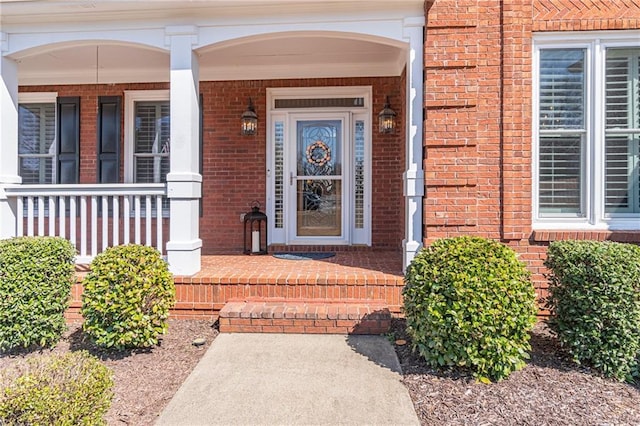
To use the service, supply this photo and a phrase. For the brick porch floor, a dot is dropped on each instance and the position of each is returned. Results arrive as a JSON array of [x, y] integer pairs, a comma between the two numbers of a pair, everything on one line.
[[348, 277]]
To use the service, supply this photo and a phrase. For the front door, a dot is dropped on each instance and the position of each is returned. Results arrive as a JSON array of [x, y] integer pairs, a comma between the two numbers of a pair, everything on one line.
[[318, 171], [319, 166]]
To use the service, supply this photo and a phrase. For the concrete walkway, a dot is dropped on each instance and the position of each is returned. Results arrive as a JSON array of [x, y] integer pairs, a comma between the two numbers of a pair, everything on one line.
[[293, 379]]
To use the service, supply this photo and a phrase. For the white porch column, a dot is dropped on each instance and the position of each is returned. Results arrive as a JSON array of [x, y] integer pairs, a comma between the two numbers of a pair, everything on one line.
[[414, 174], [8, 140], [184, 182]]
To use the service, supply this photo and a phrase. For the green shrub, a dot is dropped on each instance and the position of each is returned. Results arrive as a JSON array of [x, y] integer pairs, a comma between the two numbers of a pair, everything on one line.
[[127, 296], [594, 300], [36, 274], [71, 389], [469, 303]]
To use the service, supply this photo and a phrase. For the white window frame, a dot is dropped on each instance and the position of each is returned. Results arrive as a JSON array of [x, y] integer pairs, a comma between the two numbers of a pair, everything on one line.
[[130, 98], [44, 98], [595, 44]]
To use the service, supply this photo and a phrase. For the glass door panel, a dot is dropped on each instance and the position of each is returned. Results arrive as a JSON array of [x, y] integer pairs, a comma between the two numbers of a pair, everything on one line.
[[319, 178], [319, 208]]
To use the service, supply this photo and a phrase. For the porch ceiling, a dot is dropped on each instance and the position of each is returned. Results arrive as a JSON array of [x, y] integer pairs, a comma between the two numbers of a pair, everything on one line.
[[93, 63], [300, 55], [296, 55]]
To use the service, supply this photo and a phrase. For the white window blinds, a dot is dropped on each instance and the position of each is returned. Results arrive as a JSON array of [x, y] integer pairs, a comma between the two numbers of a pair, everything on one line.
[[622, 133], [37, 143], [562, 89], [562, 129], [151, 149]]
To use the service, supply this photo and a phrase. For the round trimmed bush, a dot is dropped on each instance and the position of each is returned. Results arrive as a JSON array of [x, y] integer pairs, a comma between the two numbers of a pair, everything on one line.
[[36, 274], [594, 301], [469, 303], [70, 389], [127, 296]]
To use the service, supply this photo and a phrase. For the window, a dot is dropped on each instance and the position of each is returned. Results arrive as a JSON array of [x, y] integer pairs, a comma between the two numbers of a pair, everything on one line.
[[622, 131], [151, 142], [37, 151], [147, 143], [562, 130], [587, 132], [147, 136]]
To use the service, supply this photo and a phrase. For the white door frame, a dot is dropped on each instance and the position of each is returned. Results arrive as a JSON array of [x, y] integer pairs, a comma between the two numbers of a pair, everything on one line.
[[281, 131]]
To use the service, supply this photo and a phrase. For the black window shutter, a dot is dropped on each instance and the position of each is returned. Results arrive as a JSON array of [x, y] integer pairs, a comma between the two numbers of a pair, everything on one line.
[[109, 139], [68, 132]]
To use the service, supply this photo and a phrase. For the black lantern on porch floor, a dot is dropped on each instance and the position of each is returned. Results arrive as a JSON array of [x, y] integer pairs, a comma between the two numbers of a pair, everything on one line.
[[255, 231]]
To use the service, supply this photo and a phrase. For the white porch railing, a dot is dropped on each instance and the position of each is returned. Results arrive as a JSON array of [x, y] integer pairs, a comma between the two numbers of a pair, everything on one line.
[[92, 217]]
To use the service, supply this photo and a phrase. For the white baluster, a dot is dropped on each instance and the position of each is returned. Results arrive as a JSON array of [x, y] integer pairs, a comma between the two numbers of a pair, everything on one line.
[[105, 222], [52, 215], [73, 212], [116, 220], [20, 221], [94, 226], [30, 218], [127, 219], [41, 215], [159, 223], [63, 218], [83, 225], [137, 218], [148, 216]]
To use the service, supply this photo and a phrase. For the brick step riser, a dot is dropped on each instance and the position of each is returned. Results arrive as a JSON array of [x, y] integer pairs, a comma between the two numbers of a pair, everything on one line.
[[303, 326], [205, 300], [305, 316]]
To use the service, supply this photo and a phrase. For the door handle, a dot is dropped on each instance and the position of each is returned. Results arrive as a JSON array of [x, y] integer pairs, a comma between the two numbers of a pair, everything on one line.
[[291, 178]]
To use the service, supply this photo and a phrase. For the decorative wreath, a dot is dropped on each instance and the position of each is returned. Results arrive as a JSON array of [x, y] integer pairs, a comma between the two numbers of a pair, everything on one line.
[[318, 153]]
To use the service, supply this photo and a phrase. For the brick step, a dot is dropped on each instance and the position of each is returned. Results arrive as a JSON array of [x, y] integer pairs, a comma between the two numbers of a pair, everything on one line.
[[318, 316]]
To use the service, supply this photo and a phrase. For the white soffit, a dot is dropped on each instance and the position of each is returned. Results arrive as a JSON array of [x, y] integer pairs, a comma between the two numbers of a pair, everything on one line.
[[176, 12]]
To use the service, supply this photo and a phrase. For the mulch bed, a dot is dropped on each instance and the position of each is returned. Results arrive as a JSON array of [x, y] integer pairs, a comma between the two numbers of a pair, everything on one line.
[[144, 380], [550, 390]]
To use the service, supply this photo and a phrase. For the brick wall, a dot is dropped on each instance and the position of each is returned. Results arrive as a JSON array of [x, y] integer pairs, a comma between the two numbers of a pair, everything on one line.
[[462, 119], [234, 166], [585, 15], [478, 119]]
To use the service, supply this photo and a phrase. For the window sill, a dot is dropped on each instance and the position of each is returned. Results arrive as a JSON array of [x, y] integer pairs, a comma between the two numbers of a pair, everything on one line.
[[543, 236]]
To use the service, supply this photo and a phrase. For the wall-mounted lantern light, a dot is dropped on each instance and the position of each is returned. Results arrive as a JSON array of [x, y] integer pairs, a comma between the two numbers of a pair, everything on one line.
[[249, 120], [387, 119]]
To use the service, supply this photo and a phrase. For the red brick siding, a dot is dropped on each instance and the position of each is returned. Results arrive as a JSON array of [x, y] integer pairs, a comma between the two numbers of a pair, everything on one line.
[[478, 119], [234, 166], [462, 119], [585, 15], [516, 119]]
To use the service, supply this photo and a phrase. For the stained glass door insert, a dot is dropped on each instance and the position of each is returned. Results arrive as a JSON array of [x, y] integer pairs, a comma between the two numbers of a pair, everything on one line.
[[319, 177]]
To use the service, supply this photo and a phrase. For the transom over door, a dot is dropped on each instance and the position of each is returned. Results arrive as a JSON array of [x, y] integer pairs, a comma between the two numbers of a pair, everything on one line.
[[317, 179]]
